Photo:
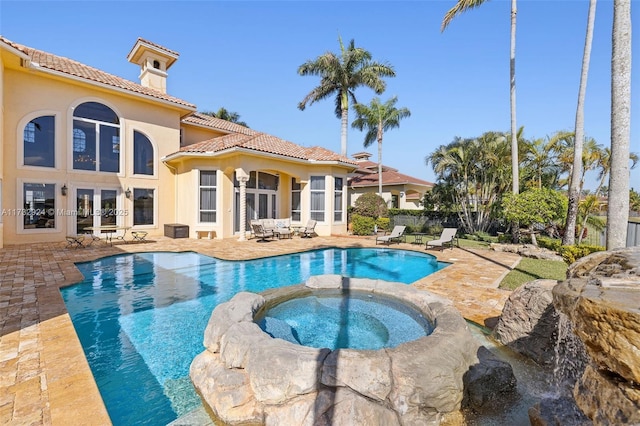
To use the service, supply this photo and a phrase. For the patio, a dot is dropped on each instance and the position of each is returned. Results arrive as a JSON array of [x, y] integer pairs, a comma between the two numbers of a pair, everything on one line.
[[44, 376]]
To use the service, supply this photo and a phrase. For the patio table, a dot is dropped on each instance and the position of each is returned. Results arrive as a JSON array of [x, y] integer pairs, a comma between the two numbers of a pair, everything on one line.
[[110, 231], [417, 237]]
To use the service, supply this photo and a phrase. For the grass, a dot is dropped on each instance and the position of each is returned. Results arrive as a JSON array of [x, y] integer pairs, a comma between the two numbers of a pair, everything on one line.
[[533, 269]]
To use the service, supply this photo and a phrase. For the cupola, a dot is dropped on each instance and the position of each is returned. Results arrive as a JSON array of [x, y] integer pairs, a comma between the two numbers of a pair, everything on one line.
[[154, 61]]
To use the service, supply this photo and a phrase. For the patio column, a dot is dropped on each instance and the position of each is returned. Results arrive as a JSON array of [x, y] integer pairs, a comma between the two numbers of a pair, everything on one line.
[[242, 180]]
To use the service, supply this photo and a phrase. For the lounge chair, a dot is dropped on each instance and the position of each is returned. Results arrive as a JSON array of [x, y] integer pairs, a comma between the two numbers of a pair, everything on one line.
[[396, 234], [309, 230], [447, 237], [260, 232]]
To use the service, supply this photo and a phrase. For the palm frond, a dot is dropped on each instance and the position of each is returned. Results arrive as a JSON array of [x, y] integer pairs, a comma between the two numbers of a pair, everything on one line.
[[461, 6]]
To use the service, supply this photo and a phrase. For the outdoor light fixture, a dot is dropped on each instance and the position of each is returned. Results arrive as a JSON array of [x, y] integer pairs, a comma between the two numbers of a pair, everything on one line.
[[127, 193], [64, 189]]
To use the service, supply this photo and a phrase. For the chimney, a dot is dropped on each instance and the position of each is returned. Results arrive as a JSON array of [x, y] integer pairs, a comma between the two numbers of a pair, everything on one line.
[[154, 61], [361, 156]]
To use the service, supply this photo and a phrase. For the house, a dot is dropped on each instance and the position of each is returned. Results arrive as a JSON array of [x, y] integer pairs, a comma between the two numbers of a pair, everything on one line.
[[82, 148], [400, 191]]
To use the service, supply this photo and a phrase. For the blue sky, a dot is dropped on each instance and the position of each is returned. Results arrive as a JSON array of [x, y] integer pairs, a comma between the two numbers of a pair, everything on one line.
[[244, 55]]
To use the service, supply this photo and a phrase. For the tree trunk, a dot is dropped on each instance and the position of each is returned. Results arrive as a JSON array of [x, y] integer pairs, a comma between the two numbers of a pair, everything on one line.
[[344, 105], [380, 160], [618, 209], [515, 164], [576, 177]]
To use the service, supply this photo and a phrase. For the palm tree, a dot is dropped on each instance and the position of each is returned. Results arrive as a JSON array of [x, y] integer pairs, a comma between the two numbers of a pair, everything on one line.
[[472, 172], [574, 186], [618, 209], [464, 5], [540, 166], [378, 118], [223, 114], [340, 76]]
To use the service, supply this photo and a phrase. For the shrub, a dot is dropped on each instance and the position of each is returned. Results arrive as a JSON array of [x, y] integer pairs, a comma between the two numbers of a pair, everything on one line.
[[550, 243], [572, 253], [362, 225], [370, 205], [409, 229], [384, 223]]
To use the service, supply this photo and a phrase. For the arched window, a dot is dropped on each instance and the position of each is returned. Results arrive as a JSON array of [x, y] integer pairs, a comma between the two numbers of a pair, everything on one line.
[[39, 142], [96, 138], [143, 158]]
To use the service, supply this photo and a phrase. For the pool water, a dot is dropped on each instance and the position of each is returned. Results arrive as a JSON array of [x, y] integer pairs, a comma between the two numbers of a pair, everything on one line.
[[357, 320], [141, 317]]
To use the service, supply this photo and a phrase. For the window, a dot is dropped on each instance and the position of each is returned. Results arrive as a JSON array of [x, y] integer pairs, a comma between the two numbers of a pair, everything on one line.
[[296, 212], [317, 198], [39, 142], [96, 138], [143, 162], [337, 200], [143, 206], [39, 204], [208, 179]]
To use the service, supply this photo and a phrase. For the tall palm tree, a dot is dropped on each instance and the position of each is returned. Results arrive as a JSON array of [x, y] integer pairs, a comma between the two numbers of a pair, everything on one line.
[[340, 75], [464, 5], [618, 209], [574, 186], [224, 114], [377, 118]]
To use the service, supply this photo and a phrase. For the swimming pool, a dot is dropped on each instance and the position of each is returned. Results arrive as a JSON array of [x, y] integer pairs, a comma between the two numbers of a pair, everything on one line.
[[141, 317]]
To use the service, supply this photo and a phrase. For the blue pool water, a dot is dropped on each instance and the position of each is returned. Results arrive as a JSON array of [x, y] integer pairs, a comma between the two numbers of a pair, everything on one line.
[[141, 317], [358, 320]]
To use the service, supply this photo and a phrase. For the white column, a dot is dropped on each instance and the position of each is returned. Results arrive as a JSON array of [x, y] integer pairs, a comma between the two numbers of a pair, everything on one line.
[[243, 207]]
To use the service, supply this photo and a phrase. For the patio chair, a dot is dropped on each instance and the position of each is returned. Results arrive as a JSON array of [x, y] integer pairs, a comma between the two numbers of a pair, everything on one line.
[[396, 234], [309, 230], [447, 237], [260, 232]]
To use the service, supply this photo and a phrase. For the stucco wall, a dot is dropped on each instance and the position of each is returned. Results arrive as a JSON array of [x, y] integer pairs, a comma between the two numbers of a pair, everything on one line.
[[30, 94], [187, 190]]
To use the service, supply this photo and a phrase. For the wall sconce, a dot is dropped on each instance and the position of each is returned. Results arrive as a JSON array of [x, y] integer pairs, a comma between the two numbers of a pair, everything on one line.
[[64, 189], [401, 194], [127, 193]]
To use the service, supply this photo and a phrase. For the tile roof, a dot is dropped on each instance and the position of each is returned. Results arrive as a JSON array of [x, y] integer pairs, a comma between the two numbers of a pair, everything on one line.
[[265, 143], [217, 123], [74, 68], [369, 166], [169, 51], [389, 177]]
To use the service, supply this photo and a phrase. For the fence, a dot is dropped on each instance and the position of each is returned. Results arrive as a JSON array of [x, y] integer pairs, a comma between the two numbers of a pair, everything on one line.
[[599, 238], [594, 238], [633, 234]]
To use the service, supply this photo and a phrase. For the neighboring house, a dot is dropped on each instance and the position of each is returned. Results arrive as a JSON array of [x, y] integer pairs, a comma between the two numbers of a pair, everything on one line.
[[399, 190], [81, 147]]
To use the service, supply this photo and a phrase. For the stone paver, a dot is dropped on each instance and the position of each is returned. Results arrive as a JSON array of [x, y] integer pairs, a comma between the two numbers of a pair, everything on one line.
[[44, 376]]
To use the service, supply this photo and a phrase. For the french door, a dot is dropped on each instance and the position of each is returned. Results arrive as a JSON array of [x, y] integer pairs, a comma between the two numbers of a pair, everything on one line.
[[261, 204], [97, 207]]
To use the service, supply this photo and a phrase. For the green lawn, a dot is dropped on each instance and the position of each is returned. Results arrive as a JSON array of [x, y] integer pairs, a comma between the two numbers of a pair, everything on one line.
[[533, 269]]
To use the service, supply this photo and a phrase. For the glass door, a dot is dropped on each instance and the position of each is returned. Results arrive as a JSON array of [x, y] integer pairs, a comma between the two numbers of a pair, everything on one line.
[[88, 201], [108, 209], [84, 209]]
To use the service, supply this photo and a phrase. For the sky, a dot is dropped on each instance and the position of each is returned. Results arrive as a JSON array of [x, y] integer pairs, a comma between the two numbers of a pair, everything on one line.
[[244, 56]]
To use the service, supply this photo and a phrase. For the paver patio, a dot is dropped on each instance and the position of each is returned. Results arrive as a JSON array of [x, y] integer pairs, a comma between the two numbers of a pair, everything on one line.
[[44, 375]]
